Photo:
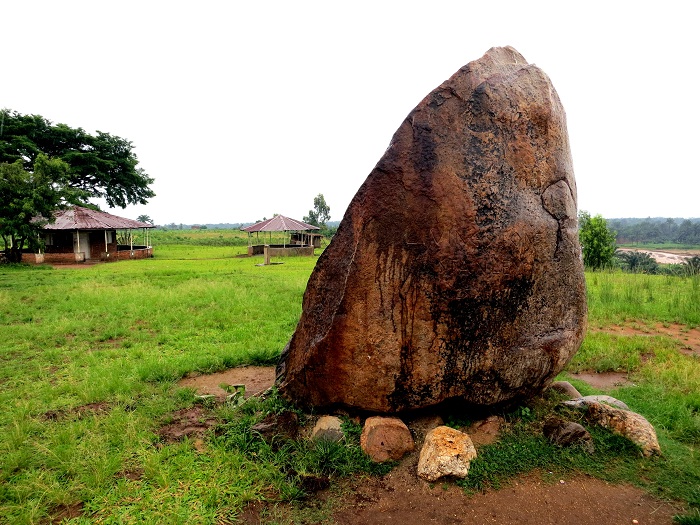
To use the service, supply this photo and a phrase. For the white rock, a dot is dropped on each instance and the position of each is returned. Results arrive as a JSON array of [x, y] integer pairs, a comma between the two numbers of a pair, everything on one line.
[[446, 452]]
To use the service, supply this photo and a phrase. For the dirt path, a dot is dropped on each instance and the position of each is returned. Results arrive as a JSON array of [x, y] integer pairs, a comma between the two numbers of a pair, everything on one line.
[[535, 499], [402, 498]]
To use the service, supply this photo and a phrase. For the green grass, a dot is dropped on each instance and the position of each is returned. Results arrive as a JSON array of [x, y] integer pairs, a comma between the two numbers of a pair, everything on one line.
[[89, 360], [122, 334], [616, 297]]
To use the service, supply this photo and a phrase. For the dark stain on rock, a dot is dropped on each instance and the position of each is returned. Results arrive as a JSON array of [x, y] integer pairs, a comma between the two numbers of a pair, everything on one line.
[[424, 155]]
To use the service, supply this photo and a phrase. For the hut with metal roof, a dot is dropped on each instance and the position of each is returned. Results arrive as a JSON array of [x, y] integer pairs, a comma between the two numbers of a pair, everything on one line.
[[297, 237], [80, 234]]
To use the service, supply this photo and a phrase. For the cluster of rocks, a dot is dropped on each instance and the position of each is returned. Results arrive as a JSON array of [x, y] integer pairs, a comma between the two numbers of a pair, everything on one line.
[[605, 411], [446, 452]]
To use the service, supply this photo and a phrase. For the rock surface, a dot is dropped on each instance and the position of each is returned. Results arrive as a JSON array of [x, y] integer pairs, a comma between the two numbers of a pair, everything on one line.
[[587, 400], [456, 271], [446, 452], [608, 400], [566, 388], [328, 428], [386, 439], [282, 426], [633, 426], [568, 433]]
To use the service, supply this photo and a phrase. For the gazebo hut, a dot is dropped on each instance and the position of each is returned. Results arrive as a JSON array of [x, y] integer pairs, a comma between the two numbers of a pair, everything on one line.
[[302, 240], [80, 234]]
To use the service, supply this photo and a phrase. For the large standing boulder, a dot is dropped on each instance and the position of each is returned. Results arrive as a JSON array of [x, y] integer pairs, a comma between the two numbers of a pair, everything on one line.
[[456, 272]]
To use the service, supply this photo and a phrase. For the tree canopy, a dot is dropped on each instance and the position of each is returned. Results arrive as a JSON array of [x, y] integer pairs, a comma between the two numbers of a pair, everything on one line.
[[656, 230], [100, 165], [320, 214], [597, 241], [29, 199], [637, 262]]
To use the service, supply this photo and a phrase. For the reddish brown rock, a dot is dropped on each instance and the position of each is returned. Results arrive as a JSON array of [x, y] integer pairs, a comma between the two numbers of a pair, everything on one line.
[[386, 438], [568, 433], [456, 271]]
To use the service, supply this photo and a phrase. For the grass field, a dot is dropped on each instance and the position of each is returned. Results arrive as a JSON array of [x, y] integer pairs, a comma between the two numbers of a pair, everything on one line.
[[89, 360]]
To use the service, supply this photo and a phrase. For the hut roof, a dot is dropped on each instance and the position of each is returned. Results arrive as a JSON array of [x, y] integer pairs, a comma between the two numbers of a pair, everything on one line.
[[79, 218], [279, 223]]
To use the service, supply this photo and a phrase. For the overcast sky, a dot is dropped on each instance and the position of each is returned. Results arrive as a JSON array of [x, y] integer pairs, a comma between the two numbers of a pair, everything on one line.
[[243, 109]]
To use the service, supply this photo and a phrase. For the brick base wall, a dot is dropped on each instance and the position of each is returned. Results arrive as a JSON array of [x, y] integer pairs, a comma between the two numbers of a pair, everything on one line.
[[280, 251], [72, 258]]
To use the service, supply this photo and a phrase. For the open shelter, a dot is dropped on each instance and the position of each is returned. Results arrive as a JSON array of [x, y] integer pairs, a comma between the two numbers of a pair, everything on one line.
[[297, 237], [81, 234]]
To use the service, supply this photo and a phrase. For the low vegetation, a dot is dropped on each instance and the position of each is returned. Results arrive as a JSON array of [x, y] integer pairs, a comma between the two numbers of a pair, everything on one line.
[[90, 360]]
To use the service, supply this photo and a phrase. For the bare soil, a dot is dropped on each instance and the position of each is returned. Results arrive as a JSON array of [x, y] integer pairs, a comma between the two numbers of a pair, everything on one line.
[[535, 499], [62, 513], [689, 338], [604, 380], [401, 497], [668, 257], [255, 378]]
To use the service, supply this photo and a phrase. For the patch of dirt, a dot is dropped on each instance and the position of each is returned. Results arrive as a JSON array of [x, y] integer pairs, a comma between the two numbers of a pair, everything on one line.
[[485, 432], [255, 378], [603, 380], [400, 497], [192, 423], [78, 412], [689, 338], [134, 474], [534, 499], [62, 513]]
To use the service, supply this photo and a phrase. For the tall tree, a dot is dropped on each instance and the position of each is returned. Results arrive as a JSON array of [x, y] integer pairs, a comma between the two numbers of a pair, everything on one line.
[[101, 165], [597, 241], [29, 199], [320, 214]]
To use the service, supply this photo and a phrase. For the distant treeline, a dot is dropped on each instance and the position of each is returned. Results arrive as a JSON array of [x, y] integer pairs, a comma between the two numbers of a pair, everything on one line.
[[656, 230], [219, 226], [223, 226]]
